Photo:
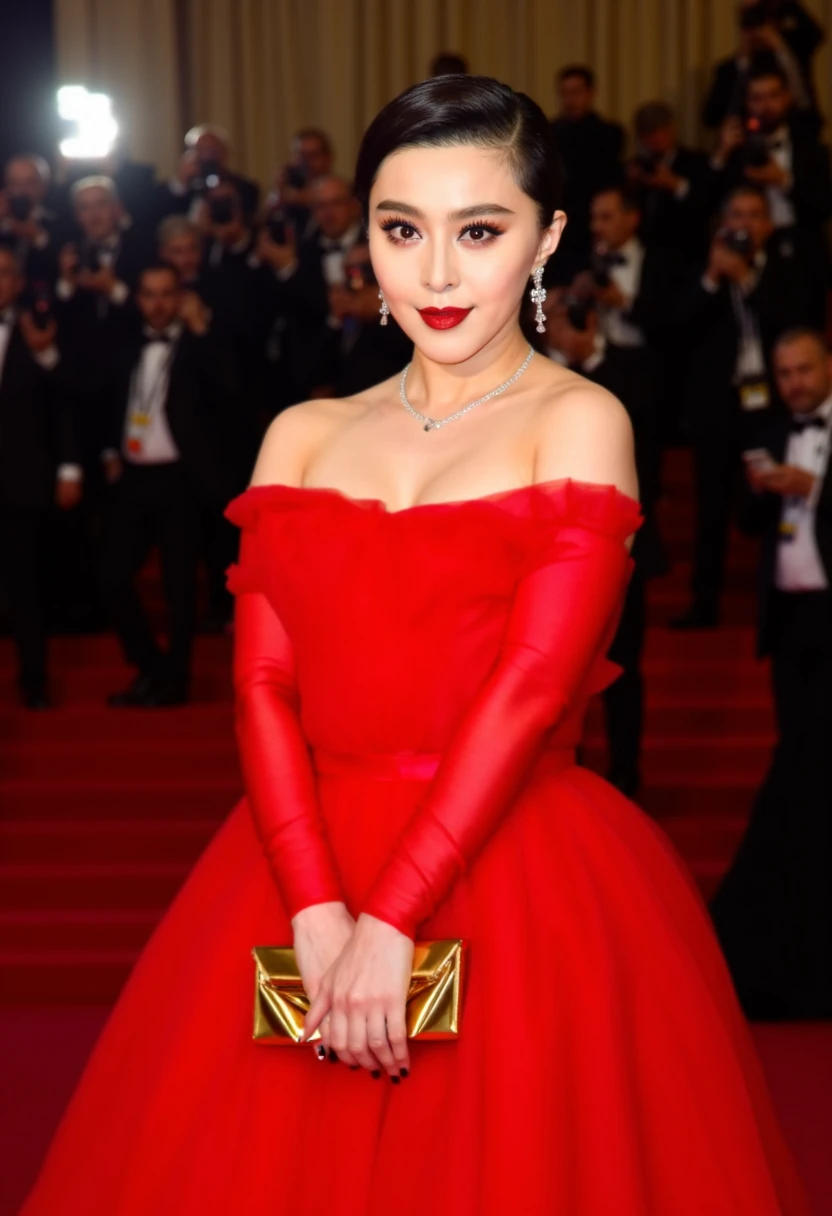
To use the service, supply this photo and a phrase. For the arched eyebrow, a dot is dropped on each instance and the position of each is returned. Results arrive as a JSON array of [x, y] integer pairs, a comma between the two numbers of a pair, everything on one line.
[[467, 213]]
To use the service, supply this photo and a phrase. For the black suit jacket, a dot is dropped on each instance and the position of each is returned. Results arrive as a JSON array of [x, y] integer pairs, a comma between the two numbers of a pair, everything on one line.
[[590, 151], [36, 431], [681, 225], [709, 322], [811, 193], [199, 410], [166, 202], [760, 515], [662, 272]]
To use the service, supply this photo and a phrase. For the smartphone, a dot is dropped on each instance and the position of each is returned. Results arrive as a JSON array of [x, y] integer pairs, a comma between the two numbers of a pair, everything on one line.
[[760, 459]]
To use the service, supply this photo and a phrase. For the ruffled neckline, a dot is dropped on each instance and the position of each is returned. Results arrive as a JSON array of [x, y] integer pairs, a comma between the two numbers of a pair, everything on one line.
[[262, 494]]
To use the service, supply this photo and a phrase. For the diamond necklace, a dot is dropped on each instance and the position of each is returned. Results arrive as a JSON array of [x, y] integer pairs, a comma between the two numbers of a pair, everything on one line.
[[432, 424]]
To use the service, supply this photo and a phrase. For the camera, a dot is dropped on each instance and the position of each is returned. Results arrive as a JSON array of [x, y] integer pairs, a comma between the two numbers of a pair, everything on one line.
[[739, 241], [221, 210], [209, 176], [277, 228], [578, 310], [755, 150], [296, 177], [89, 259], [600, 265], [20, 207]]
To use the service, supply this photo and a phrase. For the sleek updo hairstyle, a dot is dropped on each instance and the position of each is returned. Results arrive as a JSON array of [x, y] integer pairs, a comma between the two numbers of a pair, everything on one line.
[[455, 111]]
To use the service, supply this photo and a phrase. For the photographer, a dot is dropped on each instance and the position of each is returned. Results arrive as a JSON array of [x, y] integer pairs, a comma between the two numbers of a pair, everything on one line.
[[752, 289], [305, 273], [203, 167], [674, 185], [782, 31], [778, 150], [312, 158], [38, 467], [773, 910], [369, 351], [26, 224]]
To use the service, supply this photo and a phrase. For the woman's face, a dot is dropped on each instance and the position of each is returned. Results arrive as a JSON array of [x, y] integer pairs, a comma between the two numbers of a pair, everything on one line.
[[450, 229]]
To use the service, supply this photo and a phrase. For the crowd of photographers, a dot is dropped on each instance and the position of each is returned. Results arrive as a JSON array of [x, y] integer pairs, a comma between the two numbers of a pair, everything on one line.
[[149, 330]]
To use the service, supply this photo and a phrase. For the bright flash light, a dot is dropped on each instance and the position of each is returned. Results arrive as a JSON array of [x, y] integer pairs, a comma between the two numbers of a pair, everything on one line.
[[95, 127]]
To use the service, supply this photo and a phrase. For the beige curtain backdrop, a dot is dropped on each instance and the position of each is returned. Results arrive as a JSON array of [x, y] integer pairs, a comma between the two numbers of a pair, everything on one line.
[[262, 68]]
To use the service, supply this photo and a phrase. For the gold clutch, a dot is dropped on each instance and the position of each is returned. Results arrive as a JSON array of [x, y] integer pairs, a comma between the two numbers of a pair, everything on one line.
[[433, 999]]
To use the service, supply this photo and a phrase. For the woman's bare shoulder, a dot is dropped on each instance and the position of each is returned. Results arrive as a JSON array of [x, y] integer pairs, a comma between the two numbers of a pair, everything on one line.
[[299, 432], [584, 432]]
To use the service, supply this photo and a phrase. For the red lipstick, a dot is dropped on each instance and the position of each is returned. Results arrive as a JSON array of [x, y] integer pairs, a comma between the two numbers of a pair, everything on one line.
[[443, 318]]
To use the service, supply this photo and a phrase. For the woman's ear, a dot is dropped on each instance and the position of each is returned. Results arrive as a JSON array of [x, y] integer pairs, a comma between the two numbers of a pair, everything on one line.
[[551, 236]]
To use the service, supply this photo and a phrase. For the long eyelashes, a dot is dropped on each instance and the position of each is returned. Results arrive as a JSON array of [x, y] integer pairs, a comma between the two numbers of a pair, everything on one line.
[[390, 225]]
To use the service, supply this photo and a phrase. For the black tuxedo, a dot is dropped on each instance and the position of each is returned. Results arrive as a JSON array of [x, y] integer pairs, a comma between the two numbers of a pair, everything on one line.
[[590, 151], [630, 376], [680, 224], [719, 428], [310, 346], [773, 910], [174, 202], [160, 503], [35, 436]]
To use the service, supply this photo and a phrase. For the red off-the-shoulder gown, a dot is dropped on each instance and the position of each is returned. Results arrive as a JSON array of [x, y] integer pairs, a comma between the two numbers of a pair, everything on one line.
[[410, 688]]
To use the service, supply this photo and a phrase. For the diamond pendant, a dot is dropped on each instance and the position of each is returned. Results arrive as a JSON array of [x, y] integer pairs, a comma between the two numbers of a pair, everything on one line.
[[428, 424]]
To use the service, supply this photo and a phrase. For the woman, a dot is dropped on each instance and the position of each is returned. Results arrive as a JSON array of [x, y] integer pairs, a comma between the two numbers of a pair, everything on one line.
[[421, 618]]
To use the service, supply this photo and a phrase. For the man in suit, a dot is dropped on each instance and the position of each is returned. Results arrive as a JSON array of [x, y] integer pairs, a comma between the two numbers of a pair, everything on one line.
[[780, 30], [204, 164], [166, 455], [305, 275], [674, 185], [774, 909], [778, 150], [590, 149], [752, 289], [26, 222], [38, 466], [575, 340]]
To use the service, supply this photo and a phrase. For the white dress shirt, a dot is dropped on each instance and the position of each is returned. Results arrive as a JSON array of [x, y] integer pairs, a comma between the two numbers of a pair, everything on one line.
[[613, 322], [147, 436], [780, 205], [798, 564]]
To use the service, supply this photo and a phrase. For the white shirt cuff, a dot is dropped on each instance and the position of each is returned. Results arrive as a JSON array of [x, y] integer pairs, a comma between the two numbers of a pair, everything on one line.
[[286, 272], [176, 187], [119, 293], [598, 354], [70, 472], [64, 289], [48, 358], [813, 497], [710, 285]]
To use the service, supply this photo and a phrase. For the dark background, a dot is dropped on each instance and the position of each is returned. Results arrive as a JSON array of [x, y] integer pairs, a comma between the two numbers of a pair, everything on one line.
[[28, 119]]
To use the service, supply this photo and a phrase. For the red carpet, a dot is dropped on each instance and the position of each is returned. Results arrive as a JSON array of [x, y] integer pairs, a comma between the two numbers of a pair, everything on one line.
[[104, 812]]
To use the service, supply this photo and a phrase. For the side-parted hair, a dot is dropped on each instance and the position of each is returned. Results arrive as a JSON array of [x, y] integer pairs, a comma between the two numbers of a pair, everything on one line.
[[463, 111]]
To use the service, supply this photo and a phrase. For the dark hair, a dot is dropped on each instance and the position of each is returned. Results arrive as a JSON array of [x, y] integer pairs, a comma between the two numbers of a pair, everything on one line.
[[315, 133], [746, 191], [459, 111], [448, 63], [158, 266], [798, 332], [763, 66], [577, 69], [653, 116], [629, 197]]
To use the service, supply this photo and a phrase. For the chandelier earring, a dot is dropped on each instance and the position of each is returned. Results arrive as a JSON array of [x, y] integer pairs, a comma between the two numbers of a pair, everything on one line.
[[384, 310], [538, 296]]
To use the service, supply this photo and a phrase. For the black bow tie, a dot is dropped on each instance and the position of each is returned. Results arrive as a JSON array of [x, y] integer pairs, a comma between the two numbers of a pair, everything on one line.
[[153, 335], [330, 246], [798, 425]]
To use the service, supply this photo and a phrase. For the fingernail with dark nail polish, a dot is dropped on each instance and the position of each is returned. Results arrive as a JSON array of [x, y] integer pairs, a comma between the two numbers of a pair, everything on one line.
[[375, 1074], [321, 1053], [333, 1056], [395, 1079]]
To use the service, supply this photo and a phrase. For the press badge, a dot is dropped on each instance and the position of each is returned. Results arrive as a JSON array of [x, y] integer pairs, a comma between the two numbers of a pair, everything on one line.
[[754, 395], [137, 423], [787, 530]]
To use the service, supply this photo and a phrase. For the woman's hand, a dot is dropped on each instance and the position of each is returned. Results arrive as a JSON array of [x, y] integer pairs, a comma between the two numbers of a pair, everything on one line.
[[364, 994], [321, 932]]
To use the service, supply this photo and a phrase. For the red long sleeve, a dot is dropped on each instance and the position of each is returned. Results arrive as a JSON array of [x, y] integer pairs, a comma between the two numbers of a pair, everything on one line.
[[274, 754], [561, 619]]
